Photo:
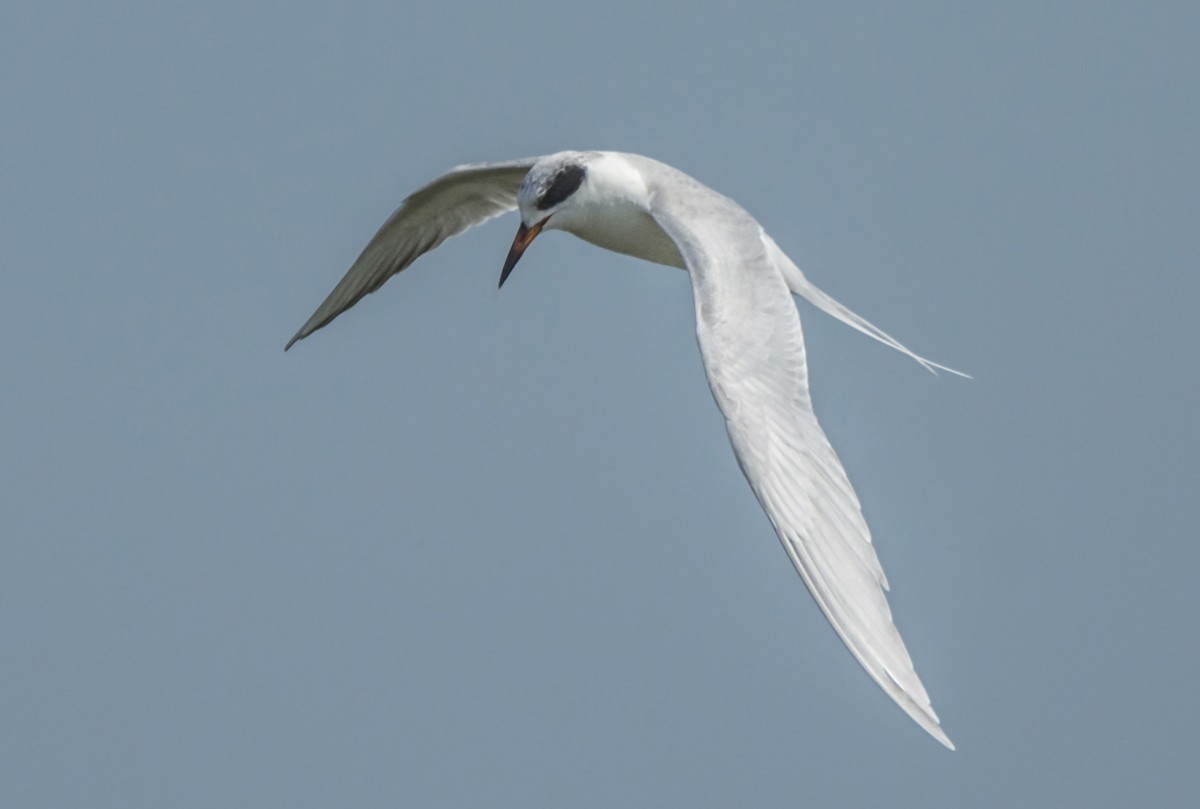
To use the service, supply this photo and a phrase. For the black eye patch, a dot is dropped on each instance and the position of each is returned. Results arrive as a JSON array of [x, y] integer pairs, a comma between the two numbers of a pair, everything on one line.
[[564, 184]]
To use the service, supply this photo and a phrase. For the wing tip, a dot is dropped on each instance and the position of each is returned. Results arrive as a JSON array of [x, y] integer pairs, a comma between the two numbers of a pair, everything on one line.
[[934, 729], [300, 335], [914, 701]]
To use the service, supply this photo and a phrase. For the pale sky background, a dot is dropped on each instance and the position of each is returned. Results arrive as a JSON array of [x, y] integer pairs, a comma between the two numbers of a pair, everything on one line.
[[470, 548]]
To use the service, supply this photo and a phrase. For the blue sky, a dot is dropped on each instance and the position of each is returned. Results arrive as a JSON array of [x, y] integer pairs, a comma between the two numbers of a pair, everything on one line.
[[472, 547]]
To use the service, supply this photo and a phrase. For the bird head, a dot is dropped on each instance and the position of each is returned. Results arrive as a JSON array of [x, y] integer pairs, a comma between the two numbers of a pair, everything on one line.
[[548, 197]]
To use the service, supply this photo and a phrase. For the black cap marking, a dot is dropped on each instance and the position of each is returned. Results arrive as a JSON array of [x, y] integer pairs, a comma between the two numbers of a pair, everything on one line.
[[565, 183]]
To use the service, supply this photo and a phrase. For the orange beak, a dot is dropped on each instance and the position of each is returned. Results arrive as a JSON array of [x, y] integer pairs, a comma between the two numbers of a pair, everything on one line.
[[525, 237]]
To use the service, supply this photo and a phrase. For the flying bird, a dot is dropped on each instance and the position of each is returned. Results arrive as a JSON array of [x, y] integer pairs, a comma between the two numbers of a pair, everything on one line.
[[749, 333]]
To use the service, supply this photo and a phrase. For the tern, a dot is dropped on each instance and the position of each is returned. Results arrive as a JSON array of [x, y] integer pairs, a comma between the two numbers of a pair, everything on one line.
[[748, 329]]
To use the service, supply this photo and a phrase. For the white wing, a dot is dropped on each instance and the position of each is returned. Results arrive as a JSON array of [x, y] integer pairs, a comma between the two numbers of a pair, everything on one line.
[[462, 198], [753, 349]]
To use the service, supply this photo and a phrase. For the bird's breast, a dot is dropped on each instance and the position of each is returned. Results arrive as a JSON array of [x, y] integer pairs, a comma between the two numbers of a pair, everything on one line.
[[626, 229]]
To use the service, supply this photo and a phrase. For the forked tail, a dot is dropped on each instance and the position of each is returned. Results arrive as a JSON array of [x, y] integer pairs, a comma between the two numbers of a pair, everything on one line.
[[801, 286]]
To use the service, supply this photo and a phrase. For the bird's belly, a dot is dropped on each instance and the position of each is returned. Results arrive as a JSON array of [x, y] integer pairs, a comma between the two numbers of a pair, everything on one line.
[[632, 232]]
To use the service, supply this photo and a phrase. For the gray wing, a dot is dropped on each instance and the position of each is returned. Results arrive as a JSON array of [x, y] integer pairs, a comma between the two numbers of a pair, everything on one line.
[[462, 198], [753, 350]]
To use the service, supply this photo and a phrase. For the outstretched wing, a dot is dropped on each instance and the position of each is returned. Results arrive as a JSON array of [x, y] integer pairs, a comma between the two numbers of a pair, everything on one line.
[[753, 350], [462, 198]]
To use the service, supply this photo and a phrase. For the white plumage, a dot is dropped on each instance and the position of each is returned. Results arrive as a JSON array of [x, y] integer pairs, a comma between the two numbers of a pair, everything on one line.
[[750, 338]]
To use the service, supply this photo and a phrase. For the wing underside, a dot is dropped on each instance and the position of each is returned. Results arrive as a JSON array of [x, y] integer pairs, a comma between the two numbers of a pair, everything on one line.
[[753, 349], [462, 198]]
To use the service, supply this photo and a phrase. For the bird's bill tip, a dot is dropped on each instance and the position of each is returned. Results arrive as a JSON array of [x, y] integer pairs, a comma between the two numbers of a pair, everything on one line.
[[524, 238]]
